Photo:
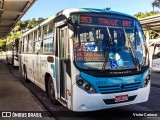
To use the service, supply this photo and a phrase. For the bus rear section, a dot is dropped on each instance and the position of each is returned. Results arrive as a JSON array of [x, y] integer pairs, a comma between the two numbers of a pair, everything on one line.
[[12, 52]]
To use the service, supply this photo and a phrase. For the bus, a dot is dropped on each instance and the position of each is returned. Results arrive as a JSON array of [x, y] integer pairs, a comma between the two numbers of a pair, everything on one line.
[[156, 57], [12, 52], [88, 59]]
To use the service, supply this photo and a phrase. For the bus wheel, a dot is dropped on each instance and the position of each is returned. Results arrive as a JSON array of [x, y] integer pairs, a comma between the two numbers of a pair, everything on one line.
[[25, 76], [51, 91]]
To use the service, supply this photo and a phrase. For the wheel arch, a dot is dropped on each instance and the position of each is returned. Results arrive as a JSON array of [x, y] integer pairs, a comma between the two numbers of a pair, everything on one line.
[[46, 79]]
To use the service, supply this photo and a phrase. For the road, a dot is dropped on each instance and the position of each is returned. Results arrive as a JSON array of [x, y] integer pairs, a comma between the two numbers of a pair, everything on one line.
[[122, 113]]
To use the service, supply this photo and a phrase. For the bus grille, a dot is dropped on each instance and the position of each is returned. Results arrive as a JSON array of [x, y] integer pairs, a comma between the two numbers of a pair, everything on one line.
[[119, 88]]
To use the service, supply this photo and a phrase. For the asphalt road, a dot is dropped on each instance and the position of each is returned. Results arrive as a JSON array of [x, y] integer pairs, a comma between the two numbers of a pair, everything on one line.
[[151, 107]]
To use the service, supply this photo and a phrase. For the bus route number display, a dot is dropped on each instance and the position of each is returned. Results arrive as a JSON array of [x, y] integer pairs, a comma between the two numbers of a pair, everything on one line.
[[105, 21]]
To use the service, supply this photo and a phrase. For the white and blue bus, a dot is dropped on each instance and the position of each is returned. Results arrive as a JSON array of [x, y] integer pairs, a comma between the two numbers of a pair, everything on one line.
[[88, 59]]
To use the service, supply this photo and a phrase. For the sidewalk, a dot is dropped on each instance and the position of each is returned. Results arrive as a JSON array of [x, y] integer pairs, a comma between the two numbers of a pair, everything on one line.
[[14, 96]]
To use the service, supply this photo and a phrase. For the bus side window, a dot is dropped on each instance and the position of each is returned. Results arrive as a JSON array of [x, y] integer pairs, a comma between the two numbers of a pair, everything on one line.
[[51, 37], [30, 43], [34, 41], [39, 33], [38, 41], [48, 38], [25, 48]]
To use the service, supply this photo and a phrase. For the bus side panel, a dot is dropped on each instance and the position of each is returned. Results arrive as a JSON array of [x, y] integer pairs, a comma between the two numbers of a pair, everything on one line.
[[23, 60], [29, 66], [44, 68], [9, 56]]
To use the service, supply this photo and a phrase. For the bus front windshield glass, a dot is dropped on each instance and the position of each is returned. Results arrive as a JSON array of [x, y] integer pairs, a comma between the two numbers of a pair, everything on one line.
[[103, 48]]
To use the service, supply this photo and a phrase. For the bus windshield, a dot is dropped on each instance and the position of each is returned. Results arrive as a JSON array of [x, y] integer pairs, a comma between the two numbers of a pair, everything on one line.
[[103, 47]]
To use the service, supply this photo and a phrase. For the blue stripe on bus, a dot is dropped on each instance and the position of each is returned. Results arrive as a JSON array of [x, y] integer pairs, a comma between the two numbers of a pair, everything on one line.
[[113, 84]]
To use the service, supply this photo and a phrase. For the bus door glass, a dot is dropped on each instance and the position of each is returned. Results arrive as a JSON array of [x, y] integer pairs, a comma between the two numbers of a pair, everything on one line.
[[62, 64]]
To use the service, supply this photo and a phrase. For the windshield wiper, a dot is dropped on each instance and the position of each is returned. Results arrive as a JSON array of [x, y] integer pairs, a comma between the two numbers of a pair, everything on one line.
[[135, 60], [108, 44]]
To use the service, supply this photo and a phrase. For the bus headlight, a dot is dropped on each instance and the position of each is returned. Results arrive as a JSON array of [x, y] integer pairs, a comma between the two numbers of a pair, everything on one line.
[[146, 81], [86, 86], [80, 82]]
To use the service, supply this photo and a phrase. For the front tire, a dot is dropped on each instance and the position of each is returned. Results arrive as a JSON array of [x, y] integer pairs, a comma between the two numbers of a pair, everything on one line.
[[51, 91]]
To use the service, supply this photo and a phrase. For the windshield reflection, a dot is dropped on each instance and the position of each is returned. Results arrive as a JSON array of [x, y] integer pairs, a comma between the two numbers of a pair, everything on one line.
[[107, 48]]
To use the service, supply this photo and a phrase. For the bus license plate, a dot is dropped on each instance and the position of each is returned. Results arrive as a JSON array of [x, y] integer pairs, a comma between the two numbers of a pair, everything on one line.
[[121, 98]]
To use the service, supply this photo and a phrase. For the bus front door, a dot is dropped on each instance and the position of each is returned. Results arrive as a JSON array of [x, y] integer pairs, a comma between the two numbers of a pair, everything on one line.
[[62, 64]]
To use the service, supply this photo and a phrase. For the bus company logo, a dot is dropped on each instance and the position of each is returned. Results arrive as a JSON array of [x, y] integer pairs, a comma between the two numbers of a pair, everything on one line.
[[6, 114], [120, 72], [21, 114]]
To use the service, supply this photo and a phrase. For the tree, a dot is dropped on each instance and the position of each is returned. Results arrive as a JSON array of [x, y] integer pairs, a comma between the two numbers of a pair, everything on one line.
[[156, 3], [2, 45], [25, 25], [145, 14], [139, 15], [13, 36], [18, 30]]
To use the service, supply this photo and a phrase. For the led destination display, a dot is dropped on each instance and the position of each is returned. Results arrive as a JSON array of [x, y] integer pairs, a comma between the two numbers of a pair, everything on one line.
[[106, 21]]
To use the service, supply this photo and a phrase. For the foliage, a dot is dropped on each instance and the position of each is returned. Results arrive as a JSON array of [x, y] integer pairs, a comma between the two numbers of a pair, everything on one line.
[[2, 45], [13, 36], [146, 14], [27, 24], [139, 15], [21, 26], [156, 3]]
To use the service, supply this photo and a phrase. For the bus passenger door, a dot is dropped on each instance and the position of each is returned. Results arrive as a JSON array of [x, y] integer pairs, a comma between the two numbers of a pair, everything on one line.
[[62, 65]]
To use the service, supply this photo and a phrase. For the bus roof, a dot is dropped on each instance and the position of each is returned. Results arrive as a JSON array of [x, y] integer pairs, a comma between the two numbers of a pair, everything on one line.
[[67, 12], [74, 10]]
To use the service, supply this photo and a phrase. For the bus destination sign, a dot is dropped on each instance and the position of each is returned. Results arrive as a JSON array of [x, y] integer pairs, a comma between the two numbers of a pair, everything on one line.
[[106, 21]]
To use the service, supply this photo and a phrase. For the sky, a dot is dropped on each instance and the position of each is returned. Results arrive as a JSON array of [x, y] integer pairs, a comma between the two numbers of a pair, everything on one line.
[[47, 8]]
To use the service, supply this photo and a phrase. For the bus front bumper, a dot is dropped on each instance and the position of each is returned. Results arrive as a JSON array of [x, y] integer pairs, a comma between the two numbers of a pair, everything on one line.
[[82, 101]]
